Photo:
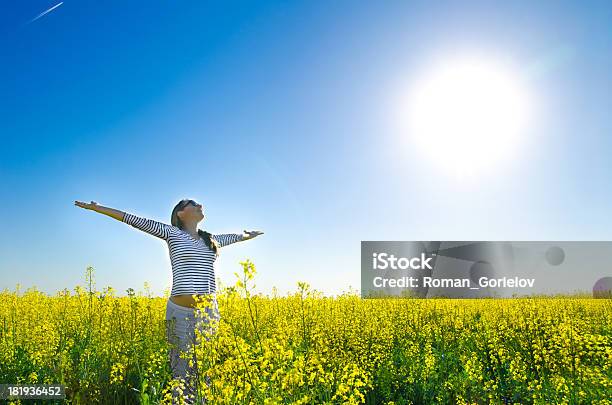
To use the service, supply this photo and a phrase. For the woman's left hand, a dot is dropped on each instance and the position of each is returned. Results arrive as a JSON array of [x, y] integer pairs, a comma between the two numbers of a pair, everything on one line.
[[250, 234]]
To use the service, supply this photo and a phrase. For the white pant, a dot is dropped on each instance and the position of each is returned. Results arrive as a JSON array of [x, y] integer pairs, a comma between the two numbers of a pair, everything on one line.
[[180, 332]]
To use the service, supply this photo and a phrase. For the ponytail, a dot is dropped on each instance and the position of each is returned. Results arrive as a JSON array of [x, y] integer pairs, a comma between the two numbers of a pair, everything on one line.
[[210, 242]]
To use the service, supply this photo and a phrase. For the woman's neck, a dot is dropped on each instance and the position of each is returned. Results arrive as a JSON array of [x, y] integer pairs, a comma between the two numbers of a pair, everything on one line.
[[192, 229]]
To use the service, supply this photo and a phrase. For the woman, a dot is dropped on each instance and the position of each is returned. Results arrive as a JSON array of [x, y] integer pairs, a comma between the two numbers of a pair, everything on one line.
[[192, 254]]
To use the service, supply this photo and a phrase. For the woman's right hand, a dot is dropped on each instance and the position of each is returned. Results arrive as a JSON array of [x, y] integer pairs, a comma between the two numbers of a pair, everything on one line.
[[88, 206]]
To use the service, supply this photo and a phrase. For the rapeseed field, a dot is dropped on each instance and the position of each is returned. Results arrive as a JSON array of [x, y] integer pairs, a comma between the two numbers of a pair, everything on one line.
[[306, 348]]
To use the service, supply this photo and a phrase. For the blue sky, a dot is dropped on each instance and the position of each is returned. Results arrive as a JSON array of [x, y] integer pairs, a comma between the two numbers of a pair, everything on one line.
[[276, 116]]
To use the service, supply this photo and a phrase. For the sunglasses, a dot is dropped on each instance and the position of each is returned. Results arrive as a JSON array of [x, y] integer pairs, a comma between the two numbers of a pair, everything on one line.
[[186, 203]]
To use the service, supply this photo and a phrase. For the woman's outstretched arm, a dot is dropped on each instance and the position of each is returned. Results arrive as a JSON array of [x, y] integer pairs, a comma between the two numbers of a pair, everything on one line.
[[155, 228], [225, 239], [111, 212]]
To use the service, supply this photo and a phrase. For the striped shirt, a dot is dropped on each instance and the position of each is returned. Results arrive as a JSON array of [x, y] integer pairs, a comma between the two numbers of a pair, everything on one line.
[[193, 263]]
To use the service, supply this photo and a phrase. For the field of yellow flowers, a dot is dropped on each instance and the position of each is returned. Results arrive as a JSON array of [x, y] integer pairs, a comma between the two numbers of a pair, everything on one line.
[[310, 349]]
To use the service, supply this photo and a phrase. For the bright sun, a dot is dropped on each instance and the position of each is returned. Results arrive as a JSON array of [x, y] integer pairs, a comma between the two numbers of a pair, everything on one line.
[[467, 116]]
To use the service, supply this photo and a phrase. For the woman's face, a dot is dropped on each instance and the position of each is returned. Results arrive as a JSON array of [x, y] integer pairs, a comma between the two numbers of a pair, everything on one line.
[[192, 212]]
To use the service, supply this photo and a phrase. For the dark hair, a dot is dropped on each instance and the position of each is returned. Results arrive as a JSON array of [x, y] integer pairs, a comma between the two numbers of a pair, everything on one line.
[[176, 221]]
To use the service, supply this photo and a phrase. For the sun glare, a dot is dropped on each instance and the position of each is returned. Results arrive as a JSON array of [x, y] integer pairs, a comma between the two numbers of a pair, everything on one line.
[[467, 116]]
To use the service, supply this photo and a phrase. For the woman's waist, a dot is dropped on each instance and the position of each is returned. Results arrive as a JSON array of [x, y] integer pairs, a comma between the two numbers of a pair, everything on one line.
[[190, 300]]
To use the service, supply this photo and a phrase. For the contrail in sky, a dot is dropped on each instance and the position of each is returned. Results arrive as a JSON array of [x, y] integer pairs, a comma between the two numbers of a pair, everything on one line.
[[47, 12]]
